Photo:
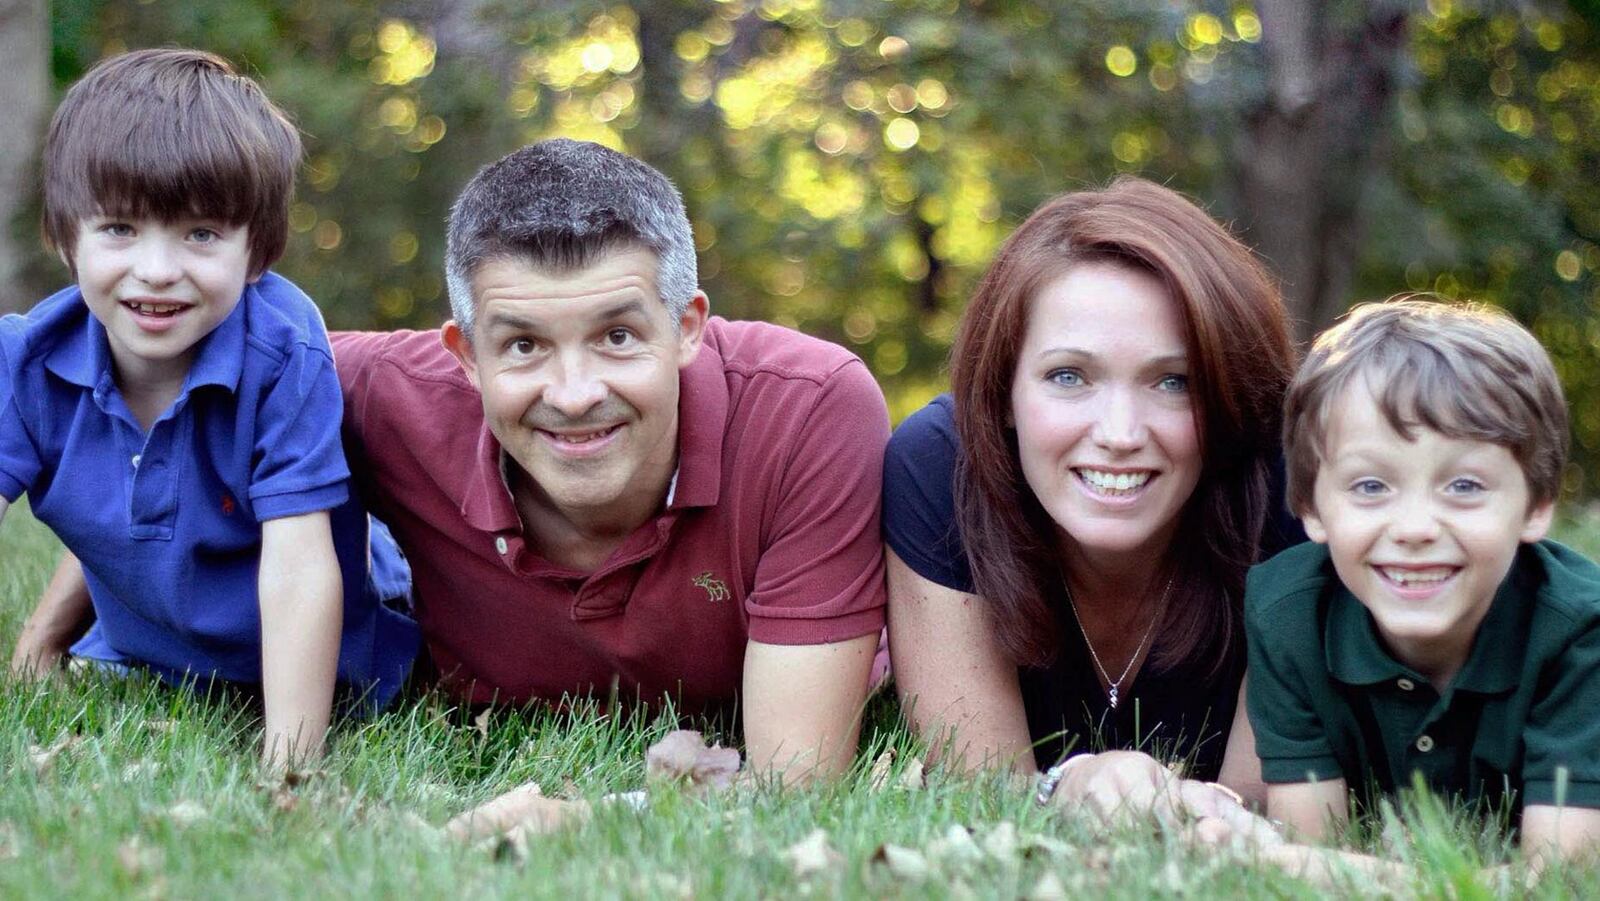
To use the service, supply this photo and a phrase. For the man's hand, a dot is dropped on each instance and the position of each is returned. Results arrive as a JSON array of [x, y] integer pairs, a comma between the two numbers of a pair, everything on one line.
[[56, 622]]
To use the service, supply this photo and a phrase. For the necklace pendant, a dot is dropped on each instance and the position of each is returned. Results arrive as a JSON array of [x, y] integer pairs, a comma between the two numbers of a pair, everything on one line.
[[1111, 696]]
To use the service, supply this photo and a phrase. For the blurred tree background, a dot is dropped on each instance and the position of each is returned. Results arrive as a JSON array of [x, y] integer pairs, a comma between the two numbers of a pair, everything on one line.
[[850, 166]]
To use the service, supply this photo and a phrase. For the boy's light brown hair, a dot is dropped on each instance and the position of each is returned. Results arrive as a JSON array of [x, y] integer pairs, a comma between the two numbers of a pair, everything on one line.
[[1465, 370], [169, 134]]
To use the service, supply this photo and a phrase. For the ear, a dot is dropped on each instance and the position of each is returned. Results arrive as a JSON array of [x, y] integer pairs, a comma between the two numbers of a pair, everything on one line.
[[455, 341], [692, 328], [1539, 520], [1313, 526]]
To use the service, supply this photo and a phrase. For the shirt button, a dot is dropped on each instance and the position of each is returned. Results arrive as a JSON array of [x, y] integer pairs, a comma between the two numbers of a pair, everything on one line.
[[500, 544], [1425, 744], [1405, 684], [136, 459]]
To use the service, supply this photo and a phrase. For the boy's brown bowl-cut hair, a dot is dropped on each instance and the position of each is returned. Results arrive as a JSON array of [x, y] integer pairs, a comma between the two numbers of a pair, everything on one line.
[[1465, 370], [169, 134]]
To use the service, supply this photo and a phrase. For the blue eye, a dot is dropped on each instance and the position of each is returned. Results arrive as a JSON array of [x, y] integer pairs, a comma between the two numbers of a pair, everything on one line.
[[1065, 378], [1465, 486], [1176, 384], [1368, 488], [118, 229], [204, 236]]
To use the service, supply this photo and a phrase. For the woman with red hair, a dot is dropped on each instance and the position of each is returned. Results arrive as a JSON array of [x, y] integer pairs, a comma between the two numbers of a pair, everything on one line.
[[1069, 529]]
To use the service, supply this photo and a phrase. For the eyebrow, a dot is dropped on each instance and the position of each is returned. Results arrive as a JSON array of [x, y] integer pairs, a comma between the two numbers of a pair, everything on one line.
[[1178, 360], [502, 320]]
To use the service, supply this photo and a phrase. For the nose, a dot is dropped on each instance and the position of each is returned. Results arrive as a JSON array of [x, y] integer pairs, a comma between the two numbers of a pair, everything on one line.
[[155, 262], [1120, 424], [1414, 521], [574, 388]]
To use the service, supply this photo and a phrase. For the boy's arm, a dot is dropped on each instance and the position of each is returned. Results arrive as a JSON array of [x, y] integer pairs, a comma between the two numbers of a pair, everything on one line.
[[1309, 809], [56, 622], [302, 618], [1551, 833]]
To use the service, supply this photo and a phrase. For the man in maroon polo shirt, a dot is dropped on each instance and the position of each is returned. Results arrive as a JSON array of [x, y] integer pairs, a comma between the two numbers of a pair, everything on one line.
[[602, 489]]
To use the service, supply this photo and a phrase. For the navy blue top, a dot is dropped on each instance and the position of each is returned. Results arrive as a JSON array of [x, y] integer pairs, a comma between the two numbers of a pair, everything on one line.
[[1174, 714], [168, 524]]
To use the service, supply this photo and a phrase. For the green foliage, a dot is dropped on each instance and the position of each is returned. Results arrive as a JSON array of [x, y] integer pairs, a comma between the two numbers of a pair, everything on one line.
[[852, 165]]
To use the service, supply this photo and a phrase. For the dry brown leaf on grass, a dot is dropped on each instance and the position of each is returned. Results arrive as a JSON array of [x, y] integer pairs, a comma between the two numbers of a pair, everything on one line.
[[914, 777], [811, 855], [42, 759], [524, 809], [902, 863], [185, 813], [136, 860], [955, 846], [481, 722], [881, 767], [1048, 888], [683, 756]]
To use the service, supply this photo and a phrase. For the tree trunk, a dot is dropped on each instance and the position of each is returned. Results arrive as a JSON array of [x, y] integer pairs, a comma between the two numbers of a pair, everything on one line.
[[1314, 142], [24, 102]]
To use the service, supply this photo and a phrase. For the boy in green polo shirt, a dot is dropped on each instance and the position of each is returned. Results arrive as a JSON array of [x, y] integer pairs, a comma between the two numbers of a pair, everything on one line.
[[1428, 627]]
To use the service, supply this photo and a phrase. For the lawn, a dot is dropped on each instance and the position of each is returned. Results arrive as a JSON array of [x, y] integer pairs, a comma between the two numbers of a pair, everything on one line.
[[127, 789]]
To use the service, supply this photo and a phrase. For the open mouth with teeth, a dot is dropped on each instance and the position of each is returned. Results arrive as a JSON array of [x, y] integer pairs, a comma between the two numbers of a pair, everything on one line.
[[1417, 578], [158, 310], [1114, 484], [578, 440]]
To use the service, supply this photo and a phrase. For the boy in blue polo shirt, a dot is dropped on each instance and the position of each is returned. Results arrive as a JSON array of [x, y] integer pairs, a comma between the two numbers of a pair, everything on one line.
[[1429, 628], [174, 416]]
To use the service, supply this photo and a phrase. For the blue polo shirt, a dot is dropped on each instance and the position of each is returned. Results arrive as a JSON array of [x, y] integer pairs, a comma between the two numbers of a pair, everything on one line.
[[168, 524]]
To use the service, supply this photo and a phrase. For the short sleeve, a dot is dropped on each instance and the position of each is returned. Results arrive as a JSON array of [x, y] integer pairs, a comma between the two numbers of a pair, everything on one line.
[[1291, 739], [919, 510], [819, 578], [1562, 734], [299, 461], [20, 462]]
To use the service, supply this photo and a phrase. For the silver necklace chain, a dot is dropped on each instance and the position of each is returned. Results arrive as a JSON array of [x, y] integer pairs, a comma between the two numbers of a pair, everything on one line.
[[1114, 685]]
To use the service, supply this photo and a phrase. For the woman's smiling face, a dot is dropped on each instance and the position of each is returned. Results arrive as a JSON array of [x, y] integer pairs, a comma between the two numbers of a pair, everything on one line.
[[1104, 416]]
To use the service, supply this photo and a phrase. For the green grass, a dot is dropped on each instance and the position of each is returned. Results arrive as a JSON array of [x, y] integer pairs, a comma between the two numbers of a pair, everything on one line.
[[155, 793]]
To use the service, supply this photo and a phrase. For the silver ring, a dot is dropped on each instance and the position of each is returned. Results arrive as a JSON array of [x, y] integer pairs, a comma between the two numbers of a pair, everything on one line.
[[1048, 783]]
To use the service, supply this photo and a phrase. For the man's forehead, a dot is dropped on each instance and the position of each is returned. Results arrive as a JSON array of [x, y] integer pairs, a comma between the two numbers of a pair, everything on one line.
[[614, 285]]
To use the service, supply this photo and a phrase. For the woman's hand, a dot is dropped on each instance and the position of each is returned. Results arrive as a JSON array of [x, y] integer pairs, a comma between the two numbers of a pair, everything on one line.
[[1120, 786]]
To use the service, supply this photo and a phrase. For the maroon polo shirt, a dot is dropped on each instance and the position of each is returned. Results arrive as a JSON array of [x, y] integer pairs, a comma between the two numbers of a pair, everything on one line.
[[771, 532]]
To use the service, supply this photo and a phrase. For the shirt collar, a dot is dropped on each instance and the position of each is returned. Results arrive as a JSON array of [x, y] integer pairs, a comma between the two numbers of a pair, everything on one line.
[[83, 357], [220, 359], [1356, 655], [702, 422]]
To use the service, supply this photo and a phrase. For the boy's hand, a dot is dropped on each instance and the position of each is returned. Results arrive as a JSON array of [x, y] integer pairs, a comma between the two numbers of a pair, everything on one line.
[[36, 655], [302, 617], [56, 622]]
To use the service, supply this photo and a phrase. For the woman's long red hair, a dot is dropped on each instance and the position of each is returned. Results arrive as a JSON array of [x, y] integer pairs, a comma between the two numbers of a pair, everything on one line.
[[1241, 360]]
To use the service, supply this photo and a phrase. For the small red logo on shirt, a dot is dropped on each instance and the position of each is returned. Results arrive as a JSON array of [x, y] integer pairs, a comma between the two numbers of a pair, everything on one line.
[[228, 506], [716, 590]]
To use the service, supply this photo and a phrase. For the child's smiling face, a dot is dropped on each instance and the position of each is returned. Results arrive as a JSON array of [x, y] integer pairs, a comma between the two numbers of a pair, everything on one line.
[[1423, 531], [159, 287]]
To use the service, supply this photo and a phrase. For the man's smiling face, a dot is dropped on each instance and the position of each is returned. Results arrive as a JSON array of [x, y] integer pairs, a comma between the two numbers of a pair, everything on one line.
[[579, 376]]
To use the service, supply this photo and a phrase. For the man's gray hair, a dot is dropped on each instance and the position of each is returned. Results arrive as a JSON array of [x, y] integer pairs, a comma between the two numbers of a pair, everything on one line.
[[560, 205]]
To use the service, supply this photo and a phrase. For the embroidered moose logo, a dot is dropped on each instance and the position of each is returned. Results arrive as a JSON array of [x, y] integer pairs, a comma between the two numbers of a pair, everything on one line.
[[715, 588]]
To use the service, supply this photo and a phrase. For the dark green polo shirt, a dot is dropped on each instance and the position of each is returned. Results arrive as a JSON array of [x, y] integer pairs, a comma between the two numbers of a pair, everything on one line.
[[1327, 700]]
